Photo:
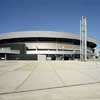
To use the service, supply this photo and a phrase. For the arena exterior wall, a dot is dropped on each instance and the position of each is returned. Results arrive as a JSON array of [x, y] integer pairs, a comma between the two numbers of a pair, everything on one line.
[[43, 45]]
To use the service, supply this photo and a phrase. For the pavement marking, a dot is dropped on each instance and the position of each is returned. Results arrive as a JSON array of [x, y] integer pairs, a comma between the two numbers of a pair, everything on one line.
[[5, 72], [26, 77], [59, 77], [75, 85]]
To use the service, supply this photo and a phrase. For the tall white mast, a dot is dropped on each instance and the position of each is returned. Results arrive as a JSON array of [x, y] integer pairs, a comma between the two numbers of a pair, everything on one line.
[[83, 39]]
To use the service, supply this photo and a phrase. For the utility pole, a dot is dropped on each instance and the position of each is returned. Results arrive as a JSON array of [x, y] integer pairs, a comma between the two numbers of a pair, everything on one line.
[[83, 39]]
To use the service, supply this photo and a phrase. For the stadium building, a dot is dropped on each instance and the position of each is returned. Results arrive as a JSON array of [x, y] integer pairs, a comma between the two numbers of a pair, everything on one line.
[[43, 45]]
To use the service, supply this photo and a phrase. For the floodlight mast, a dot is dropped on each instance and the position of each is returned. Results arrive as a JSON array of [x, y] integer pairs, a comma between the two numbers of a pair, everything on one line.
[[80, 42], [83, 39]]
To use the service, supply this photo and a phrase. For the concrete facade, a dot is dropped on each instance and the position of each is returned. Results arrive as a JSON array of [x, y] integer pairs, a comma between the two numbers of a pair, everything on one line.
[[54, 45], [97, 53]]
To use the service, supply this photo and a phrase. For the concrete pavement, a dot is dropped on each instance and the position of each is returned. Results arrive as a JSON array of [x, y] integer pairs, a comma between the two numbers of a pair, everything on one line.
[[49, 80]]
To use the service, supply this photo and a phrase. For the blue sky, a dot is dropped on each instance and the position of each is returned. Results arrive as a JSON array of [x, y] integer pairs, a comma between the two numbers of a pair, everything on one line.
[[51, 15]]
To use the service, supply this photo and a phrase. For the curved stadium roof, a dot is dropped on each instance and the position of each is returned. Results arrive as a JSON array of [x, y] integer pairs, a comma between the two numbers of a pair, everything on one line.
[[44, 34]]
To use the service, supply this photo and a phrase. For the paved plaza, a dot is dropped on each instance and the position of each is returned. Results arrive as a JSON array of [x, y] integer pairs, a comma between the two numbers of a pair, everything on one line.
[[49, 80]]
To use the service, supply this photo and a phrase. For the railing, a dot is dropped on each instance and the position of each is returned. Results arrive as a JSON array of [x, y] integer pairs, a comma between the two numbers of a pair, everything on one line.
[[8, 50]]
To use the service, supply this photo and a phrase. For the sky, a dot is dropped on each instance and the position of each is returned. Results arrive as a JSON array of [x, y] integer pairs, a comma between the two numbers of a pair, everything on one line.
[[50, 15]]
